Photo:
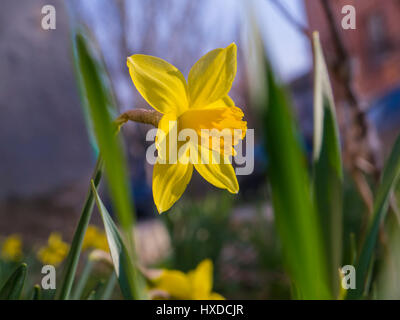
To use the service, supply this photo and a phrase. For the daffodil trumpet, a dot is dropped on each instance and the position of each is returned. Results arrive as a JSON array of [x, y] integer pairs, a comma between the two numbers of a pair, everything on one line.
[[198, 123]]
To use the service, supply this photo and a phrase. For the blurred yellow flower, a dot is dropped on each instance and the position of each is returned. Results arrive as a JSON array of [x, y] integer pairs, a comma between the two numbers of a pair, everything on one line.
[[95, 239], [194, 285], [201, 104], [55, 251], [12, 248]]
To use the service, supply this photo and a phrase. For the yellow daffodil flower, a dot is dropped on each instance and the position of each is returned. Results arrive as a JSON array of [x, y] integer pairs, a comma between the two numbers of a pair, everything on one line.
[[195, 285], [55, 251], [95, 239], [12, 248], [201, 103]]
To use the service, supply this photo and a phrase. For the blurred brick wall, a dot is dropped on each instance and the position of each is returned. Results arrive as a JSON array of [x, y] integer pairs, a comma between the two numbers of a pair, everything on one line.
[[374, 46]]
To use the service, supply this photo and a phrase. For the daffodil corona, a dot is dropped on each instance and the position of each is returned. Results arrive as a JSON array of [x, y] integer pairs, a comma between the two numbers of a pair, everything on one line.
[[201, 106]]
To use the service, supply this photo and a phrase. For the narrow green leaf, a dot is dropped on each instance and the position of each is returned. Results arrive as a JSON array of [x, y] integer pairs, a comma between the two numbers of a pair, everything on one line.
[[97, 100], [91, 295], [99, 289], [108, 290], [128, 276], [390, 177], [80, 286], [72, 260], [108, 142], [296, 218], [37, 293], [327, 166], [12, 289], [105, 82]]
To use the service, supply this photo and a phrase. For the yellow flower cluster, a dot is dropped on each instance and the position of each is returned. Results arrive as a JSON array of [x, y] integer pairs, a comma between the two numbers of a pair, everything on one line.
[[194, 285], [95, 239], [55, 251], [11, 249]]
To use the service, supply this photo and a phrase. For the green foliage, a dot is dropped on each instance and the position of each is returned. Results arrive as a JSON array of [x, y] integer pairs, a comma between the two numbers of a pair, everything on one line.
[[130, 281], [12, 289], [96, 99], [304, 217], [198, 230], [296, 217], [327, 166], [390, 176], [76, 245], [104, 129], [37, 292]]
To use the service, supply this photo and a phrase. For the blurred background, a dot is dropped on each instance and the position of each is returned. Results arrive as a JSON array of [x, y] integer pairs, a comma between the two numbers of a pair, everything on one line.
[[47, 155]]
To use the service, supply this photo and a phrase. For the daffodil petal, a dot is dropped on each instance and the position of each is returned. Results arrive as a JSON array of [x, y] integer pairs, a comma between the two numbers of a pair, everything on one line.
[[160, 83], [175, 283], [166, 124], [223, 102], [221, 175], [202, 279], [169, 183], [215, 296], [211, 78]]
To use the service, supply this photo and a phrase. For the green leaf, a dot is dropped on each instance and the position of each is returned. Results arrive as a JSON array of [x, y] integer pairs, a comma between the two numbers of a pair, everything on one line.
[[390, 177], [37, 293], [12, 289], [89, 99], [108, 142], [109, 288], [97, 100], [296, 218], [129, 279], [91, 295], [71, 262], [83, 279], [327, 166], [105, 83]]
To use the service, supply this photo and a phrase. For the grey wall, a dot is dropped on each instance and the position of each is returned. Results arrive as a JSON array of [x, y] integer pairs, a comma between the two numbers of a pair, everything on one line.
[[43, 141]]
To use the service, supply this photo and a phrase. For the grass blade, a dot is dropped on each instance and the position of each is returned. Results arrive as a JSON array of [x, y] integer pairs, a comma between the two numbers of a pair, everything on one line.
[[71, 262], [128, 276], [390, 177], [296, 218], [12, 289], [327, 166]]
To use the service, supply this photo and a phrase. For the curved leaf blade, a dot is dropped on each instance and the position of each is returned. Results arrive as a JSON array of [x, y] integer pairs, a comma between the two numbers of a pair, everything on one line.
[[390, 177], [327, 166], [12, 289], [294, 209], [128, 276], [72, 259]]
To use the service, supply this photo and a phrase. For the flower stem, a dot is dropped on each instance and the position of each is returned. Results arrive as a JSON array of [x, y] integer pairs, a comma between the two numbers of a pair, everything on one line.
[[139, 115]]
